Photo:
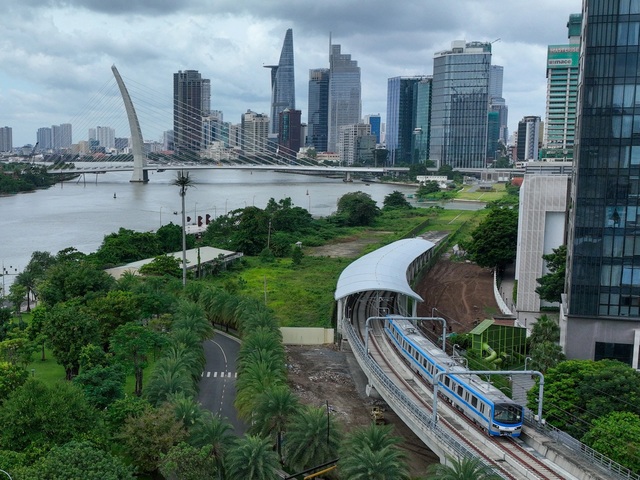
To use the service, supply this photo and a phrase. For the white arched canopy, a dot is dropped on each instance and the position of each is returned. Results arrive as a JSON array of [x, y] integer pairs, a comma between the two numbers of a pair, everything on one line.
[[384, 269]]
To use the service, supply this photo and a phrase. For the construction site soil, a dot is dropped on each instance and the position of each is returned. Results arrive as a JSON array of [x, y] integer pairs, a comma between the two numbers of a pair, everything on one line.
[[459, 291]]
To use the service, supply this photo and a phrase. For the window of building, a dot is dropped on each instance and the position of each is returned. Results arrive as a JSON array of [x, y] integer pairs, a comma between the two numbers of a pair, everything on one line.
[[614, 351]]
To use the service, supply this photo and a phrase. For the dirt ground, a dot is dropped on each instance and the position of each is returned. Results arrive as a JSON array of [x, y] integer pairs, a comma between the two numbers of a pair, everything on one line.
[[461, 292]]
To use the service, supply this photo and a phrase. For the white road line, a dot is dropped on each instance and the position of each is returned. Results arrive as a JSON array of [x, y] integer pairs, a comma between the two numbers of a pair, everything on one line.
[[208, 374], [215, 374]]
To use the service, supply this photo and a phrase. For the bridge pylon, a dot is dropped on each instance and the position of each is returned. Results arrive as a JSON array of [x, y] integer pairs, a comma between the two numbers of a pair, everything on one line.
[[139, 160]]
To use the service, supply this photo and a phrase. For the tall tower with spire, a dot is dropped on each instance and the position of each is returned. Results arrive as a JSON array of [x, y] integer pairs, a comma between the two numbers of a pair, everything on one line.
[[283, 82]]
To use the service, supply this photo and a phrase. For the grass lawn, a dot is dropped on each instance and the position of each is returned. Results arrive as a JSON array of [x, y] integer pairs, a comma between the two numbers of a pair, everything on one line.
[[498, 191]]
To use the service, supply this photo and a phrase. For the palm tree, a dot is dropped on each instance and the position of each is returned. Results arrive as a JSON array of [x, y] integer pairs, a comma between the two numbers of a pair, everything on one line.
[[186, 409], [366, 464], [191, 316], [274, 408], [252, 458], [214, 431], [468, 468], [544, 330], [312, 438], [374, 437], [166, 380], [183, 182], [254, 380]]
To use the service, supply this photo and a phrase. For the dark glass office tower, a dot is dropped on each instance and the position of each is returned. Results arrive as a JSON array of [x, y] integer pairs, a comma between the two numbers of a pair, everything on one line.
[[345, 105], [318, 113], [191, 101], [283, 82], [602, 309]]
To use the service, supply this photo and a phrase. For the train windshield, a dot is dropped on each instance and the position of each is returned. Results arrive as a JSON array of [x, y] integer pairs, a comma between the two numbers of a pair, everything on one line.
[[508, 413]]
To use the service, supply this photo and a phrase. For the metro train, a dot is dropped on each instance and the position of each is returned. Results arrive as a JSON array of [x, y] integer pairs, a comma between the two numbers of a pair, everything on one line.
[[480, 401]]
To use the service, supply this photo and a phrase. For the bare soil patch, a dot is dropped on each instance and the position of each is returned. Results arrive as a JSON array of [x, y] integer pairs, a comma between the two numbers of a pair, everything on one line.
[[346, 248]]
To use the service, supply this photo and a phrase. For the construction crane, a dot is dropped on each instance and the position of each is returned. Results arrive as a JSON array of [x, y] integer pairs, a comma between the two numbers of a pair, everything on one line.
[[33, 151]]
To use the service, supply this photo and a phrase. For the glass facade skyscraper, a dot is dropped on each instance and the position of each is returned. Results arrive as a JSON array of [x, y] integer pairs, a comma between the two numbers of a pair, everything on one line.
[[318, 114], [460, 105], [401, 118], [191, 102], [602, 310], [345, 106], [283, 82], [422, 120]]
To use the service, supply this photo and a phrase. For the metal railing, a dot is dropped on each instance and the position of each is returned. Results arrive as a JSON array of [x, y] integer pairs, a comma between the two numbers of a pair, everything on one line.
[[580, 449]]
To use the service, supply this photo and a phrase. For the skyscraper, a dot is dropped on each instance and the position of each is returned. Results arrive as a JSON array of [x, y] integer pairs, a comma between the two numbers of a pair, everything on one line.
[[61, 136], [43, 137], [376, 124], [191, 101], [345, 106], [6, 139], [460, 103], [498, 130], [401, 118], [422, 120], [562, 95], [528, 139], [289, 136], [318, 113], [255, 132], [283, 83], [601, 316]]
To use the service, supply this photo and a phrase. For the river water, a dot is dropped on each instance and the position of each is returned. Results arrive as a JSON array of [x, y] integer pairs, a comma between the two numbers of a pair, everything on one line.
[[81, 212]]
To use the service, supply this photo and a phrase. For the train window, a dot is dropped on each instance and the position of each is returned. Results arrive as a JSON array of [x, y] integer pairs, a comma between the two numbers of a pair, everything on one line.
[[466, 397], [446, 381], [474, 402], [481, 407], [460, 390], [508, 413]]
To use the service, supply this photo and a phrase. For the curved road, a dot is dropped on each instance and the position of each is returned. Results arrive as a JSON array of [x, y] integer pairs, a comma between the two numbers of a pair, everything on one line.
[[218, 382]]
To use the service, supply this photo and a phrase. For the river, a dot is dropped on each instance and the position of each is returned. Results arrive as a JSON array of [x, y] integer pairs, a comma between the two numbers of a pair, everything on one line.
[[81, 212]]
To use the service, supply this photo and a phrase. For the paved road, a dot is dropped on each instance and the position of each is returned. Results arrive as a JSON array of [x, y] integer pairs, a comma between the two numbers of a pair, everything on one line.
[[218, 382]]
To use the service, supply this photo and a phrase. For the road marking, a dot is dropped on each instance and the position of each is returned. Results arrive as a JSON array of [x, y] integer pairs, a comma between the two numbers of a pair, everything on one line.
[[208, 374], [215, 374]]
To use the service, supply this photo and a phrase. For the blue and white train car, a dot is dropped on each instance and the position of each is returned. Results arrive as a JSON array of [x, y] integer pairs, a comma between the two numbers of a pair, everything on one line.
[[486, 405]]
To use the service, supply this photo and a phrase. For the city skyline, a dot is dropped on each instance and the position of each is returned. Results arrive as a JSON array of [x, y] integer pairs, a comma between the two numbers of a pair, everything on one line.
[[55, 58]]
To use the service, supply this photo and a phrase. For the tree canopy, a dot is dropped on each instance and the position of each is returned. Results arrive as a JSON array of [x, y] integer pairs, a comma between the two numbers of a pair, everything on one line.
[[357, 209], [551, 285], [494, 241], [395, 200]]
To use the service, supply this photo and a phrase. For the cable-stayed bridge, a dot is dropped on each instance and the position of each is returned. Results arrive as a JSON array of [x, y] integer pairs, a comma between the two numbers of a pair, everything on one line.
[[107, 109]]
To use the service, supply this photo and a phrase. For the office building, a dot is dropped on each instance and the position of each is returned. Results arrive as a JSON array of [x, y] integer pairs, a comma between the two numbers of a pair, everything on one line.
[[459, 106], [422, 120], [283, 83], [318, 113], [601, 315], [498, 112], [191, 102], [6, 139], [562, 95], [345, 106], [289, 136], [356, 144], [61, 136], [528, 139], [401, 119], [43, 137], [376, 125], [255, 132]]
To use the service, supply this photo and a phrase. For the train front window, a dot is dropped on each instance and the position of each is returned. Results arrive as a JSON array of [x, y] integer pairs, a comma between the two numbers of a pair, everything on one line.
[[508, 413]]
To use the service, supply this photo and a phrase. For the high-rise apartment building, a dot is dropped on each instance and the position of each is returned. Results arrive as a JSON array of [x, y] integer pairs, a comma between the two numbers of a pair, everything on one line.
[[255, 132], [43, 137], [283, 83], [402, 97], [105, 136], [601, 315], [6, 139], [459, 106], [318, 113], [528, 139], [562, 95], [61, 136], [356, 144], [191, 102], [345, 107]]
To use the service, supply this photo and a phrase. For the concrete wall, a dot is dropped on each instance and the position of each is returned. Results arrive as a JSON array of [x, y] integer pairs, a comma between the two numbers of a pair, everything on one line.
[[306, 336]]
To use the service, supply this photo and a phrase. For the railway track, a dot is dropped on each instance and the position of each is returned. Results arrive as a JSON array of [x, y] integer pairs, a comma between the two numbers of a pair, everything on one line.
[[506, 455]]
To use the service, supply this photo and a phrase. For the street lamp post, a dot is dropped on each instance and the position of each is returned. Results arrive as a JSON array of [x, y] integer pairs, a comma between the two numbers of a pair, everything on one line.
[[525, 362], [160, 215]]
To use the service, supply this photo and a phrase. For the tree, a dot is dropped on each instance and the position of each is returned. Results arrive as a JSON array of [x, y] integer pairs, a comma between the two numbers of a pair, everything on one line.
[[312, 438], [131, 343], [102, 385], [428, 188], [169, 378], [126, 246], [36, 416], [396, 199], [116, 308], [551, 285], [372, 452], [252, 457], [366, 464], [184, 462], [357, 209], [462, 469], [545, 355], [544, 330], [11, 377], [34, 272], [162, 265], [150, 436], [212, 431], [274, 408], [70, 278], [69, 327], [617, 436], [494, 241], [578, 391], [78, 459], [183, 182]]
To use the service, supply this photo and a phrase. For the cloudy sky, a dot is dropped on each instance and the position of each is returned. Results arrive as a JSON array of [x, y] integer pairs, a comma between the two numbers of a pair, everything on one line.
[[56, 55]]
